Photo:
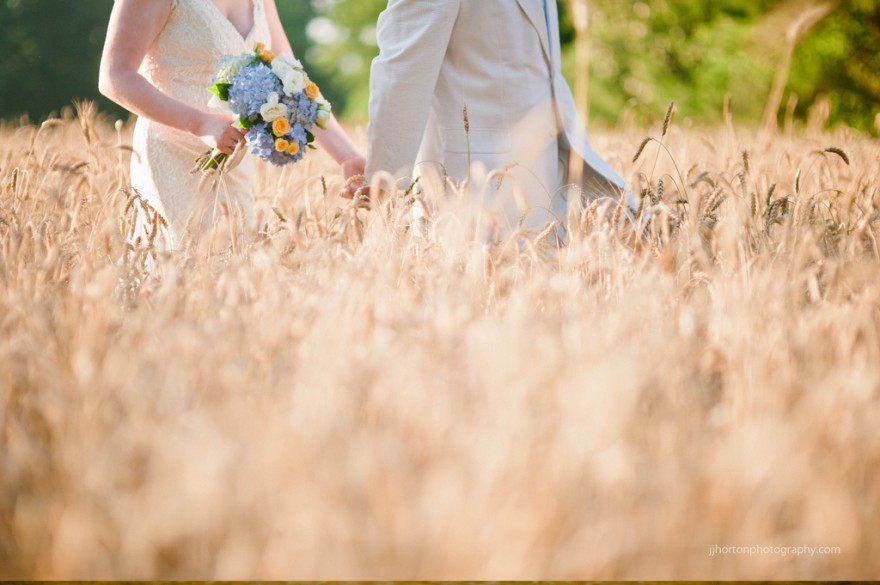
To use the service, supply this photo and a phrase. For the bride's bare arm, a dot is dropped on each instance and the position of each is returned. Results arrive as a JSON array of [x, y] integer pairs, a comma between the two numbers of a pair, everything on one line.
[[134, 26], [334, 139]]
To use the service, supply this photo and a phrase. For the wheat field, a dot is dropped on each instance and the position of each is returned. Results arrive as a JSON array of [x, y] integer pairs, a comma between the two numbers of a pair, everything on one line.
[[336, 399]]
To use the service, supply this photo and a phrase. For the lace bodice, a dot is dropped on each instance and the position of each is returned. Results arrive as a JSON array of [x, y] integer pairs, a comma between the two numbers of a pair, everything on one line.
[[197, 35]]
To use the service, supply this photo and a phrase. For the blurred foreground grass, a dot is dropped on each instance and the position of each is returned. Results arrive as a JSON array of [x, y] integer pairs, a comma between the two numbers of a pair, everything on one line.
[[338, 399]]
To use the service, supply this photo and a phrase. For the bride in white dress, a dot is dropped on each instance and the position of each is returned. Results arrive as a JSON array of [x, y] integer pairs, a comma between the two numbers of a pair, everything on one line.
[[159, 59]]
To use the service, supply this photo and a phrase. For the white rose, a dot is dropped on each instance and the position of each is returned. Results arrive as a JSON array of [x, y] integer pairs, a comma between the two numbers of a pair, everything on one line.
[[294, 82], [272, 110], [290, 72], [287, 60]]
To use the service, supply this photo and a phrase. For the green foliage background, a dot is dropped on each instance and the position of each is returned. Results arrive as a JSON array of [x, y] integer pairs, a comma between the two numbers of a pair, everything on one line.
[[643, 55]]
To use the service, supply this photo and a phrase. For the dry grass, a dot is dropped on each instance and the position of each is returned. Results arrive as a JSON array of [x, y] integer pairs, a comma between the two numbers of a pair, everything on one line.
[[336, 401]]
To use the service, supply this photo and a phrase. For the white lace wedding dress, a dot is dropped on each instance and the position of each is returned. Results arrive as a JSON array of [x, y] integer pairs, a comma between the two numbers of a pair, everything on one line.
[[181, 64]]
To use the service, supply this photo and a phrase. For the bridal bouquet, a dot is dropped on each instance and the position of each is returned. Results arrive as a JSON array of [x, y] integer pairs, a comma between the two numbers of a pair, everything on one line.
[[273, 98]]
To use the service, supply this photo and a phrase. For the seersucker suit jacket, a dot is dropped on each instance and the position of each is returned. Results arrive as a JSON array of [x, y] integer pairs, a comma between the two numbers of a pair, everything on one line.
[[501, 59]]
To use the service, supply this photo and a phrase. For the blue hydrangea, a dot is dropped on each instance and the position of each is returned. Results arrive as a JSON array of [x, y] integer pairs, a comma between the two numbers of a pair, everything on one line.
[[259, 142], [250, 90], [303, 109], [279, 159], [298, 134]]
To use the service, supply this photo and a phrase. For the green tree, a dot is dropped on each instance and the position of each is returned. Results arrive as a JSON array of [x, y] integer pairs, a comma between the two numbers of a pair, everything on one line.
[[347, 48], [51, 51], [692, 52], [841, 61], [696, 52]]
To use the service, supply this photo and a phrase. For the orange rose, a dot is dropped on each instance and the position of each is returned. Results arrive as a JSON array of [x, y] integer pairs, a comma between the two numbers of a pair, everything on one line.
[[282, 145], [312, 90], [293, 148], [280, 126], [265, 55]]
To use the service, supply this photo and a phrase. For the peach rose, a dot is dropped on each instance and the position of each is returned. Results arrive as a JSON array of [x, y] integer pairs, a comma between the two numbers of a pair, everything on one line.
[[265, 55], [280, 126]]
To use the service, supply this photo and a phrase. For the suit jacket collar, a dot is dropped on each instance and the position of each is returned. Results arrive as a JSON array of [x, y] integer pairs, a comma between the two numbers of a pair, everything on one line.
[[535, 13]]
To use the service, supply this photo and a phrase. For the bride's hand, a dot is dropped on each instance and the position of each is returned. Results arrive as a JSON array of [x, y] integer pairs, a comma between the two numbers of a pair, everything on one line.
[[218, 132], [353, 173]]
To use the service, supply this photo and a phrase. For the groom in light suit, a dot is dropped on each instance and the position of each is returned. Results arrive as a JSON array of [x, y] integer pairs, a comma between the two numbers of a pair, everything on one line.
[[500, 59]]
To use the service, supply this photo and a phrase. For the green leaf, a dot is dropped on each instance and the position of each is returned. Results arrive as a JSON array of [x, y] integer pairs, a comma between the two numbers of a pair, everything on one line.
[[221, 90]]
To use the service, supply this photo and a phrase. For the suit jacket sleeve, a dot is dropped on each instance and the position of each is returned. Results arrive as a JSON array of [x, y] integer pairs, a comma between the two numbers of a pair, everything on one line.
[[413, 36]]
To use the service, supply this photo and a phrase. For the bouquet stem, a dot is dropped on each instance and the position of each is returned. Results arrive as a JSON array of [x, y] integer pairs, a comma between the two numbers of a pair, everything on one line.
[[212, 160]]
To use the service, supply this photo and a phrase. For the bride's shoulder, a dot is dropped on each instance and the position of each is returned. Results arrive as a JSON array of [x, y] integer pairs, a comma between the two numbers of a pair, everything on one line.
[[144, 11]]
